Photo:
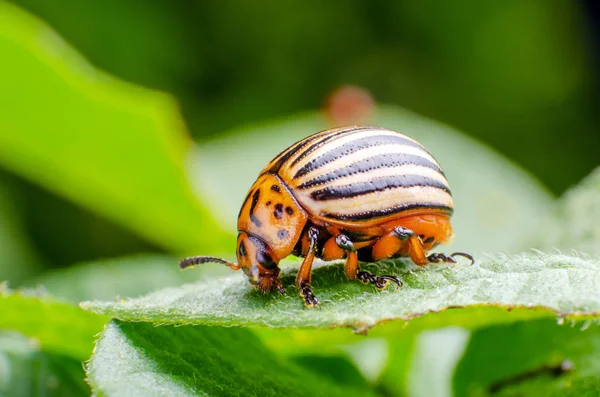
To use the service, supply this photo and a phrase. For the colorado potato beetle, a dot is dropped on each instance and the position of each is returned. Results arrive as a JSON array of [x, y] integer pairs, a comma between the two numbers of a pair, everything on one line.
[[359, 193]]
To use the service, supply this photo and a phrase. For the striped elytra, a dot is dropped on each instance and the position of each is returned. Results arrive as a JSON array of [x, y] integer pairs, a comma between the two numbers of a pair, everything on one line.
[[362, 175], [348, 193]]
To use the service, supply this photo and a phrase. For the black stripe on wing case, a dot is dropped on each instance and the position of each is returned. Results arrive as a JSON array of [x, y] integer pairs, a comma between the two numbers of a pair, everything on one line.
[[323, 141], [367, 215], [289, 152], [377, 185], [354, 146], [385, 160]]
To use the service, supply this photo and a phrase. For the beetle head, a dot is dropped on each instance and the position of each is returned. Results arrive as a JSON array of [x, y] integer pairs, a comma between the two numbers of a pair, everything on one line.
[[258, 262]]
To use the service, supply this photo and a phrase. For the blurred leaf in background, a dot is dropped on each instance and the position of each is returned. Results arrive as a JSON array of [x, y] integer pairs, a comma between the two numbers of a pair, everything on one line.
[[18, 260], [516, 74], [113, 147], [25, 370]]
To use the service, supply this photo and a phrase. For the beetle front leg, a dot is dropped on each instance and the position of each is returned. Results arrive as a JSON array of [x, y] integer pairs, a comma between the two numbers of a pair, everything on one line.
[[304, 274], [352, 269]]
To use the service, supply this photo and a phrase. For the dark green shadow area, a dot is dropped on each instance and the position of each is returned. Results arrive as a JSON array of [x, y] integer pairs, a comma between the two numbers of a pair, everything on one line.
[[142, 359], [524, 359], [335, 367]]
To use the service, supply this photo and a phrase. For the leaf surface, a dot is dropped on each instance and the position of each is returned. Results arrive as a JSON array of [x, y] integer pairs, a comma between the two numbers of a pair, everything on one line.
[[134, 359], [560, 284]]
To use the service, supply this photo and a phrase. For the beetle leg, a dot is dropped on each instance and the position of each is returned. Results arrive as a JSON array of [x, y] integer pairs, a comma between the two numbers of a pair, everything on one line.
[[303, 277], [352, 269]]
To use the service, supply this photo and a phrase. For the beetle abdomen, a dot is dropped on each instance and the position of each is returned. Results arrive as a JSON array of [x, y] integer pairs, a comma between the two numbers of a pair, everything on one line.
[[358, 175]]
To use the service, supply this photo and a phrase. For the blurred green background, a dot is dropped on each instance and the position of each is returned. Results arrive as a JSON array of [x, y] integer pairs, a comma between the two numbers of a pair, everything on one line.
[[520, 76]]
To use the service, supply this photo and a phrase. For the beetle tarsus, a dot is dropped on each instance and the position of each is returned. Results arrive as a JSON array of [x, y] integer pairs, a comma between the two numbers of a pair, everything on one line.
[[439, 257], [380, 282], [464, 255], [310, 300], [279, 287]]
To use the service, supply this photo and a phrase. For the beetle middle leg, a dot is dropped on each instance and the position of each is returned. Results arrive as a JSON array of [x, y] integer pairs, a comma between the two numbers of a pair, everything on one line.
[[404, 238], [303, 277], [351, 267]]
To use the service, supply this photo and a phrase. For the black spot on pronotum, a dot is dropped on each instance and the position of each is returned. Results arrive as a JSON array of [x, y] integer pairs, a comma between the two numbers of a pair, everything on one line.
[[276, 188], [242, 249], [255, 197], [255, 220], [289, 210], [278, 211], [429, 240], [268, 203], [245, 200], [282, 234]]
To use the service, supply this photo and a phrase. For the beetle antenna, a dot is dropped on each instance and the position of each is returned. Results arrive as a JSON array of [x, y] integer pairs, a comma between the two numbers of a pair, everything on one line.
[[197, 260]]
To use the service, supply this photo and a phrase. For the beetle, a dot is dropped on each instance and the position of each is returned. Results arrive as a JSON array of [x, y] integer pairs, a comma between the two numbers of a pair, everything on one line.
[[359, 193]]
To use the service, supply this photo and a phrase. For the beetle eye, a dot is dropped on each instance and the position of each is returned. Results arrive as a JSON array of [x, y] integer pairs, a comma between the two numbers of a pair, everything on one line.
[[242, 249]]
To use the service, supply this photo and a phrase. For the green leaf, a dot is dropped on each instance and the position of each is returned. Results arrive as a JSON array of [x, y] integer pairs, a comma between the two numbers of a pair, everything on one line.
[[558, 284], [527, 357], [25, 370], [112, 147], [58, 327], [577, 225], [118, 278], [133, 359], [499, 207]]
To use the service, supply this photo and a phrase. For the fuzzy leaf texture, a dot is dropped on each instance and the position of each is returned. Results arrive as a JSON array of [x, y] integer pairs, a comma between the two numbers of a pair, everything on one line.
[[561, 285], [134, 359]]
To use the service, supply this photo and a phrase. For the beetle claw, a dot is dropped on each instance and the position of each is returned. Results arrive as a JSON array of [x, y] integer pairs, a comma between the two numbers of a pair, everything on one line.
[[464, 255], [380, 282], [280, 288], [310, 300]]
